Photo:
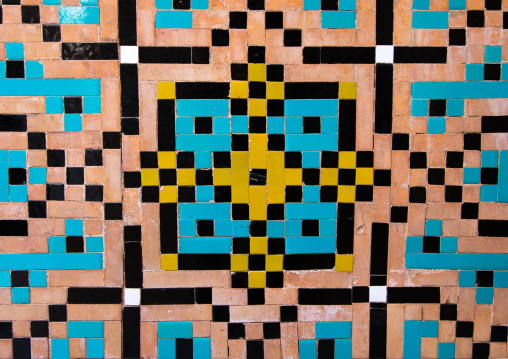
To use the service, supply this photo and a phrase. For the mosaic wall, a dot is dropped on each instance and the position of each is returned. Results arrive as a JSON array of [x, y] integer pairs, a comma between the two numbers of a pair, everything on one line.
[[253, 179]]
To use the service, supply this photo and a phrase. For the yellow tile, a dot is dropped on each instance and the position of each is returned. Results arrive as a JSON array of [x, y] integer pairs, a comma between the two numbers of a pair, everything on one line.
[[186, 177], [239, 262], [239, 89], [275, 90], [347, 159], [347, 90], [344, 262], [240, 177], [274, 263], [364, 176], [257, 72], [346, 194], [169, 262], [257, 107], [257, 150], [222, 176], [166, 90], [293, 176], [258, 245], [329, 176], [257, 279], [168, 194], [257, 203], [167, 159], [275, 177], [149, 177]]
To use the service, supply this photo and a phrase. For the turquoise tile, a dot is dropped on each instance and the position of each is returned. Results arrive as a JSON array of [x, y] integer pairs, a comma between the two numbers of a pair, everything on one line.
[[241, 228], [222, 228], [14, 51], [335, 330], [94, 244], [54, 105], [166, 349], [51, 2], [38, 278], [472, 175], [164, 4], [275, 125], [187, 228], [489, 158], [73, 122], [20, 295], [474, 72], [311, 4], [240, 124], [294, 124], [457, 261], [502, 187], [205, 244], [329, 124], [455, 107], [174, 330], [199, 4], [57, 244], [275, 229], [311, 210], [33, 70], [74, 227], [308, 349], [484, 295], [446, 350], [412, 339], [421, 4], [184, 125], [173, 19], [202, 348], [448, 244], [201, 108], [5, 278], [18, 193], [434, 227], [504, 72], [414, 244], [95, 348], [78, 14], [457, 4], [327, 228], [2, 70], [37, 175], [338, 19], [50, 261], [492, 53], [467, 278], [60, 348], [203, 159], [312, 142], [419, 108], [310, 160], [204, 193], [89, 2], [488, 193], [17, 159], [347, 5], [343, 348], [204, 210], [501, 279], [436, 125], [430, 328], [446, 90], [310, 244], [311, 107], [293, 228], [85, 329], [221, 125], [50, 87], [311, 193], [91, 104], [430, 19]]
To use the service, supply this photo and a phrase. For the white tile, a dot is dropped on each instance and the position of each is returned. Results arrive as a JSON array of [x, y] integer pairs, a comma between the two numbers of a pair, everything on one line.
[[384, 54], [132, 296], [377, 294], [129, 54]]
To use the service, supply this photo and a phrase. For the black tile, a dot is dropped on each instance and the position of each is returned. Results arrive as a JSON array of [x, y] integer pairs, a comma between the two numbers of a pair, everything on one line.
[[256, 54], [274, 20], [431, 244], [222, 193], [309, 261], [256, 5], [489, 175], [17, 176], [418, 160], [94, 193], [39, 329], [275, 107], [257, 124], [21, 348], [221, 159], [257, 177], [113, 211], [75, 175], [220, 313], [475, 18], [205, 228], [74, 244], [55, 192], [310, 176], [5, 330], [73, 105], [275, 72], [329, 5], [239, 280], [181, 4], [360, 294], [492, 72], [238, 20], [274, 279], [37, 209], [184, 348], [132, 233], [132, 179], [163, 296], [481, 350], [276, 246], [184, 160], [220, 37], [310, 227], [319, 296], [240, 211], [288, 313], [294, 159], [294, 194], [398, 214], [257, 262], [239, 142], [484, 278], [238, 106], [93, 157], [457, 37], [276, 142], [239, 72], [454, 159], [255, 349], [57, 313], [203, 125], [257, 228], [382, 177], [493, 4], [257, 89], [15, 69], [89, 51], [19, 278], [275, 211], [326, 348], [56, 158], [187, 194], [203, 295], [255, 296], [464, 329], [414, 295], [437, 107], [453, 193], [271, 330], [111, 140], [347, 176], [469, 211], [130, 126], [51, 33], [292, 37], [236, 331], [448, 312], [30, 14], [498, 333], [473, 141], [200, 55]]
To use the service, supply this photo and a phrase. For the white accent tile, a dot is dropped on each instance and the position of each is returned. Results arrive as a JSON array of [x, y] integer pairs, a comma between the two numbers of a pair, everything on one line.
[[129, 55], [384, 54], [132, 296], [377, 294]]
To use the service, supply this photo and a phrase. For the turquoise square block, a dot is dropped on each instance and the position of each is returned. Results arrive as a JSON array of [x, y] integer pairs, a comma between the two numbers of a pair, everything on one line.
[[239, 124], [484, 295], [94, 244], [474, 72], [38, 278], [17, 159], [74, 227], [338, 19], [419, 108], [455, 107], [5, 278], [20, 295], [173, 19], [414, 244], [275, 125], [37, 175], [202, 348], [164, 4], [421, 4], [504, 71], [436, 125], [33, 70], [221, 125], [430, 328], [240, 228], [60, 348], [95, 348], [199, 4], [294, 124], [54, 104], [489, 158], [457, 4], [467, 278], [472, 175], [292, 228], [222, 228], [434, 227], [312, 4], [204, 193], [167, 348], [448, 244], [310, 194], [2, 70], [327, 228], [18, 193], [446, 350], [492, 53], [488, 193], [347, 4], [187, 228], [310, 159], [329, 124], [343, 348], [57, 244], [203, 160], [14, 51], [308, 349], [184, 125], [275, 229], [73, 122], [91, 104]]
